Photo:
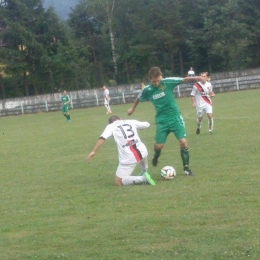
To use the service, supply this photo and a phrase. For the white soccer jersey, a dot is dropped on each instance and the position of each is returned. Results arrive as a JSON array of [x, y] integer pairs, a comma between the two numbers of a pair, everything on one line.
[[201, 93], [106, 96], [129, 145]]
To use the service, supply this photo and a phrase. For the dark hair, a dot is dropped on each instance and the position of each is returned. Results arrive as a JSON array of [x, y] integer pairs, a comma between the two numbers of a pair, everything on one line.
[[155, 72], [113, 119]]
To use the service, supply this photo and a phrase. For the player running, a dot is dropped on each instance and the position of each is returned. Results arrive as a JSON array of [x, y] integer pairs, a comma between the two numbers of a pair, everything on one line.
[[200, 95], [65, 99]]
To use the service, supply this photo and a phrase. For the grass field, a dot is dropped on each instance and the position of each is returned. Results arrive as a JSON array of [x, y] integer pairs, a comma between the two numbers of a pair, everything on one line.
[[55, 205]]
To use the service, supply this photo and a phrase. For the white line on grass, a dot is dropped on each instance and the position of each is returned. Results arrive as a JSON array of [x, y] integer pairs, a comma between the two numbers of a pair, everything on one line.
[[187, 115]]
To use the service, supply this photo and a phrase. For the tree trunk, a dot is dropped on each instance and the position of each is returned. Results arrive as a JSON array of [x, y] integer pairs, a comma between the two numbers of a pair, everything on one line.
[[112, 38], [51, 81], [25, 82], [76, 77], [127, 71], [181, 63], [100, 65]]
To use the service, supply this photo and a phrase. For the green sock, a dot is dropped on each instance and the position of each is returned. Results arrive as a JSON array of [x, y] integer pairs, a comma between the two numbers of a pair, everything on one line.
[[68, 116], [65, 116], [185, 156]]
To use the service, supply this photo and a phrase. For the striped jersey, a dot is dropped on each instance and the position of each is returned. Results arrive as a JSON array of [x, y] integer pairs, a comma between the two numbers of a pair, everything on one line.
[[129, 145], [201, 92]]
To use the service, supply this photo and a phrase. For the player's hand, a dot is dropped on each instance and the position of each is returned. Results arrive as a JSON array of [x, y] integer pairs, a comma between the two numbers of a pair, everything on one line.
[[90, 156], [130, 111]]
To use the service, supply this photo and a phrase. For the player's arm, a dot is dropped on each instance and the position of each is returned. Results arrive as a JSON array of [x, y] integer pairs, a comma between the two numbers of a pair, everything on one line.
[[131, 110], [193, 104], [191, 79], [99, 142], [141, 125], [211, 93]]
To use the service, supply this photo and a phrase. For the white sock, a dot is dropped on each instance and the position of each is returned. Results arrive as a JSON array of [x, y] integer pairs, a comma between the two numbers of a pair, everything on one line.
[[130, 180], [210, 123]]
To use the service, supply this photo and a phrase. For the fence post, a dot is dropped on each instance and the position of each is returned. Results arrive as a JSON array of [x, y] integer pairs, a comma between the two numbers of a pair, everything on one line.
[[46, 106], [22, 107], [123, 94], [71, 103], [96, 98], [179, 94], [237, 83]]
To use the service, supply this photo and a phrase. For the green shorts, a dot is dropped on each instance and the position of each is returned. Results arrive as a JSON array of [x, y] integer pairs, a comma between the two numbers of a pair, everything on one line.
[[65, 108], [175, 125]]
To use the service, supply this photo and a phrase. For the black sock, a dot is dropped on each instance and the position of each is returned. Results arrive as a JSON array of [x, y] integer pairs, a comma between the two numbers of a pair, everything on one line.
[[157, 153]]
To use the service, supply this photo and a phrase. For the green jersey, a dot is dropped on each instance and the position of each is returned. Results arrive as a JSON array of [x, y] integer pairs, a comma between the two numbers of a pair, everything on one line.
[[162, 98], [64, 99]]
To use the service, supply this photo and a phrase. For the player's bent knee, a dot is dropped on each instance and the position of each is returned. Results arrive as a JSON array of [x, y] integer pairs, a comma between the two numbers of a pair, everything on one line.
[[118, 181], [158, 146], [183, 143]]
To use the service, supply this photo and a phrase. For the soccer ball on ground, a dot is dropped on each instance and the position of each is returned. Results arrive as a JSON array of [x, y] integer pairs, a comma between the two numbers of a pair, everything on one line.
[[168, 172]]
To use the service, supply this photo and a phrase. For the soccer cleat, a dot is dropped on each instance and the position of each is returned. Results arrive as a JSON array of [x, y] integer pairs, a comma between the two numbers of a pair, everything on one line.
[[154, 161], [149, 178], [188, 173], [197, 131], [210, 132]]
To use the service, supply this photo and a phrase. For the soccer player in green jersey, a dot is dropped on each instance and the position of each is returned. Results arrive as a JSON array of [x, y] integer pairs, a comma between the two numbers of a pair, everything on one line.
[[168, 117], [65, 99]]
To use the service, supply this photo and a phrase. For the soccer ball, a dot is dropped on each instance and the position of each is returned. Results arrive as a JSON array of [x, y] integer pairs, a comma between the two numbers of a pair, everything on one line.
[[168, 172]]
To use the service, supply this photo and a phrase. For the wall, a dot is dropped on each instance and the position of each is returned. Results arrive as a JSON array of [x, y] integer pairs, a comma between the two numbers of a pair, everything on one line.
[[222, 82]]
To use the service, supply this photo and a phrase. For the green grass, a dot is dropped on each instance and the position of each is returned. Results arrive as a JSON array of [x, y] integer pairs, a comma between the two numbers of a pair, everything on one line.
[[55, 205]]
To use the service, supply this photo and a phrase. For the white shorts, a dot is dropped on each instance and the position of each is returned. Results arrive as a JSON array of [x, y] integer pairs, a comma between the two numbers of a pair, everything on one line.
[[106, 102], [207, 109], [127, 169]]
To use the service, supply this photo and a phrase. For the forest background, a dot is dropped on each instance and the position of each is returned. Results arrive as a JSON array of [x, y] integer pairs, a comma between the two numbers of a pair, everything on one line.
[[112, 42]]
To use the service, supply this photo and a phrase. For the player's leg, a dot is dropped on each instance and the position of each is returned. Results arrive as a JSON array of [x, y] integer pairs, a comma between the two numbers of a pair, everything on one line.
[[63, 110], [123, 175], [67, 113], [161, 134], [106, 108], [199, 119], [109, 109], [144, 173], [178, 128], [210, 118]]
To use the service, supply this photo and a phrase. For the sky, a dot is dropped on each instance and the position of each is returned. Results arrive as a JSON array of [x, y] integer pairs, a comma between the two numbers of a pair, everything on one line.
[[62, 7]]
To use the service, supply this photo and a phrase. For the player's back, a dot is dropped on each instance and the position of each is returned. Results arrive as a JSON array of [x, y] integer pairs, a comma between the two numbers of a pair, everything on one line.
[[128, 141]]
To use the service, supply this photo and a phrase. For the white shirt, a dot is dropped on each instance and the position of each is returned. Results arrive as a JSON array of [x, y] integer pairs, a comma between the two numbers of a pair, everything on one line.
[[201, 93], [129, 145], [106, 94], [191, 73]]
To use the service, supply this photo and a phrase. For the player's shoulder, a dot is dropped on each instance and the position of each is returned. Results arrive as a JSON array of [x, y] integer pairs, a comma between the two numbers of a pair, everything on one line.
[[208, 84]]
